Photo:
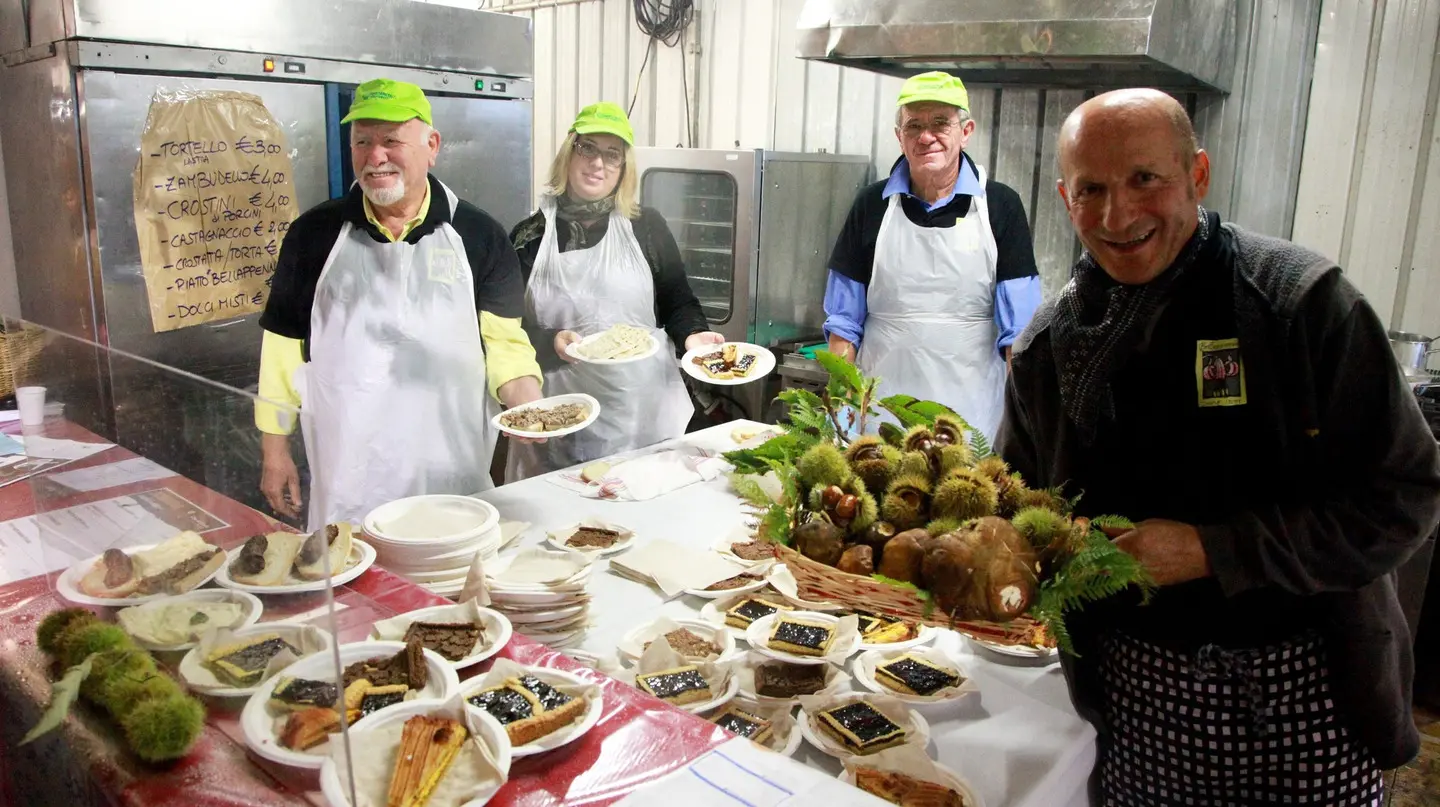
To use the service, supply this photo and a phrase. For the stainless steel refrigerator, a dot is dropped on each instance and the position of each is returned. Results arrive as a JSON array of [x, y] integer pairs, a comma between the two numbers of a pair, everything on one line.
[[755, 229], [76, 85]]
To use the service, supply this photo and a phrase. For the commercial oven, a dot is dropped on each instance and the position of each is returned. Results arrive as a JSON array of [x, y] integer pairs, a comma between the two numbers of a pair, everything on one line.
[[755, 229]]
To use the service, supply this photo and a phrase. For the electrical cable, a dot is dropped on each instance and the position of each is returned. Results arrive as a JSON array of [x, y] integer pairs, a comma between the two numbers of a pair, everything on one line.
[[665, 21]]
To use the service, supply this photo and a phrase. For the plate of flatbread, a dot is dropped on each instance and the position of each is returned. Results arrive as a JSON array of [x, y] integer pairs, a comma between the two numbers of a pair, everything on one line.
[[618, 344]]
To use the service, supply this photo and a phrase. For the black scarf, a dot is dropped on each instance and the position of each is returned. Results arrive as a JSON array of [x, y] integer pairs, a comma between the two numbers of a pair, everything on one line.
[[573, 212], [1099, 322]]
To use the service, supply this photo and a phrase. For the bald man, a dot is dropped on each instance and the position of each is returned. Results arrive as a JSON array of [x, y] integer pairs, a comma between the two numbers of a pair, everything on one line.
[[1236, 397]]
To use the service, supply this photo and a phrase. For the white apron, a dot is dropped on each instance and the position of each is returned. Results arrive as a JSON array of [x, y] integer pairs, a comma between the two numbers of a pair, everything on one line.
[[394, 401], [586, 291], [930, 315]]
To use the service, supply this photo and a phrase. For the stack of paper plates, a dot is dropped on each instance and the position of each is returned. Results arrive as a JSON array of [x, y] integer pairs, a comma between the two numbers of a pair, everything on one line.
[[543, 594], [432, 540]]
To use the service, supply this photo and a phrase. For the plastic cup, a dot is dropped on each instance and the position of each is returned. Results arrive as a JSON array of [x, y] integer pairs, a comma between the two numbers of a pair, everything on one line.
[[31, 402]]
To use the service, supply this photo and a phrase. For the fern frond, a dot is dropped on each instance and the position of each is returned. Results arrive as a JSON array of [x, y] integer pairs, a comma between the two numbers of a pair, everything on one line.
[[747, 487], [979, 446], [1113, 522]]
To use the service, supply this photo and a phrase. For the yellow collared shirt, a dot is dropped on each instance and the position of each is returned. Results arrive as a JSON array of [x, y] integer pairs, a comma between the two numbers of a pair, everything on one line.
[[409, 225]]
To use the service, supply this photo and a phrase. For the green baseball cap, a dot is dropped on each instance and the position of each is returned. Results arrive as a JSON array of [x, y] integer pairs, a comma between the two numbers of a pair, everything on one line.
[[604, 118], [394, 101], [934, 86]]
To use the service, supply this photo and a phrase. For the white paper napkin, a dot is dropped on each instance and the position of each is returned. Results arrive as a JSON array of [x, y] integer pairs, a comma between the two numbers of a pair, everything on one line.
[[648, 476], [672, 567]]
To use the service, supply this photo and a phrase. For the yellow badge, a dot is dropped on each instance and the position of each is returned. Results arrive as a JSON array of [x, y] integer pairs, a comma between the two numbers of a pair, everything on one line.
[[1219, 372], [444, 265]]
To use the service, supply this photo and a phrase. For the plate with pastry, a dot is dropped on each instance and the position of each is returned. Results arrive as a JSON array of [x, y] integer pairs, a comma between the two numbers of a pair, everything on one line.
[[772, 683], [693, 639], [744, 581], [555, 416], [292, 715], [728, 364], [804, 637], [906, 776], [174, 624], [880, 632], [1038, 644], [857, 725], [541, 708], [618, 344], [592, 537], [464, 635], [918, 675], [140, 574], [233, 664], [768, 726], [290, 563], [423, 752], [741, 610]]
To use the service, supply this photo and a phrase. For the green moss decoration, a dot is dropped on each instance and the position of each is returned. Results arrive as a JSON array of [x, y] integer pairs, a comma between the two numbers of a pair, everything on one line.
[[164, 728]]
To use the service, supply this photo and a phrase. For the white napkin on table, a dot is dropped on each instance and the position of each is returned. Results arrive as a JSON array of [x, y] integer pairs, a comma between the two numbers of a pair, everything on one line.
[[648, 476]]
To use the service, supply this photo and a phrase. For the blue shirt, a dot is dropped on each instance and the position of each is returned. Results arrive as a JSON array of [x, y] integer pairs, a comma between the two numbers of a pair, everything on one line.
[[1015, 299]]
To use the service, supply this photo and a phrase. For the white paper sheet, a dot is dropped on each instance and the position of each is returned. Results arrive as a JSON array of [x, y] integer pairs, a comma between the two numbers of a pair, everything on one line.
[[741, 772], [114, 474], [52, 448]]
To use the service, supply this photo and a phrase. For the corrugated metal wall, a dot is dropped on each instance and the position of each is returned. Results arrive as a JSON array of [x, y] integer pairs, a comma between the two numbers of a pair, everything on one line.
[[1370, 181], [746, 88]]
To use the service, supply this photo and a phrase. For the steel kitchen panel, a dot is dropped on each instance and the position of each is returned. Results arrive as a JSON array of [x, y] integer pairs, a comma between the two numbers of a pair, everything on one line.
[[116, 105], [485, 154]]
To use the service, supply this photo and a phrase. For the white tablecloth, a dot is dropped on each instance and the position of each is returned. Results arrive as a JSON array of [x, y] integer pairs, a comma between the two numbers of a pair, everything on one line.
[[1019, 743]]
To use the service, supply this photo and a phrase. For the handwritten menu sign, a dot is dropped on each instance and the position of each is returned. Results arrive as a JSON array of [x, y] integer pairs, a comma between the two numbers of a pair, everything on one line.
[[213, 200]]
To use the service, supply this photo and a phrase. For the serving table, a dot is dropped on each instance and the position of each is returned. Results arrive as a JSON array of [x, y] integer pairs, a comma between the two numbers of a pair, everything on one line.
[[85, 762], [1020, 743]]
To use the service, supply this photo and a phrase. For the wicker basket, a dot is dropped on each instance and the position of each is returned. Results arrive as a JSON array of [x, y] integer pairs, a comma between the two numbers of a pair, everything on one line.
[[819, 582], [19, 351]]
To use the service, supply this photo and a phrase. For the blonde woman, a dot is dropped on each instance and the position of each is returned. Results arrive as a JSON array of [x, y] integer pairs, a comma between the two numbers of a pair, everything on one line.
[[593, 258]]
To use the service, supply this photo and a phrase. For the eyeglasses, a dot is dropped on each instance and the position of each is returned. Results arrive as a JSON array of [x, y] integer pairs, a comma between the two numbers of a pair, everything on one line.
[[614, 158], [938, 127]]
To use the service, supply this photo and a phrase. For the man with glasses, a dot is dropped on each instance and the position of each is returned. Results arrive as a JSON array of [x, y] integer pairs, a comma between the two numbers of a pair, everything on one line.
[[394, 324], [933, 275]]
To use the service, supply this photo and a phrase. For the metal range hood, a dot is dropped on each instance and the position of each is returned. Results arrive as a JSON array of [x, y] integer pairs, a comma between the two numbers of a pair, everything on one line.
[[1178, 45]]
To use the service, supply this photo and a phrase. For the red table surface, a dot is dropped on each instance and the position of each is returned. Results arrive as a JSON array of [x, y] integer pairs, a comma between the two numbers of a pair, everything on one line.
[[637, 739]]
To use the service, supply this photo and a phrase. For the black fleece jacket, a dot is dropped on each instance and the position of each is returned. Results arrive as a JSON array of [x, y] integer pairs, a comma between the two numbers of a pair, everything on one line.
[[1307, 496]]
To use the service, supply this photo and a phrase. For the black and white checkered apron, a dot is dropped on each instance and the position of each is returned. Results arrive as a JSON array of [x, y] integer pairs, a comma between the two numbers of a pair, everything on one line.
[[1255, 726]]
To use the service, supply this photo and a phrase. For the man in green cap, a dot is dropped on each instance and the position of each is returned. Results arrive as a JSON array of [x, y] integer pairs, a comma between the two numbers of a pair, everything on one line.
[[393, 323], [933, 275]]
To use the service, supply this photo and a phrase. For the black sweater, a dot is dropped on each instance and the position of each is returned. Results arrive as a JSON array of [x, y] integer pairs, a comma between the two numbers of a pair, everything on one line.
[[1307, 496], [676, 309]]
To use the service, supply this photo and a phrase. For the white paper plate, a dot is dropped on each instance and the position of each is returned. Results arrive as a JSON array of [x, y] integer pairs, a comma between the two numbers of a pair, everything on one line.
[[557, 640], [574, 397], [839, 682], [250, 605], [951, 779], [764, 364], [557, 539], [492, 645], [864, 671], [529, 599], [926, 635], [730, 592], [594, 707], [632, 644], [491, 733], [67, 585], [361, 556], [758, 635], [573, 350], [559, 615], [192, 661], [1016, 650], [792, 742], [259, 725], [919, 738], [732, 688], [458, 522]]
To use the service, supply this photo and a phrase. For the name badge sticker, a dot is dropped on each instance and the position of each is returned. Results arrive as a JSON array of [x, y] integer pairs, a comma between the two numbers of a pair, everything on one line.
[[1219, 372]]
